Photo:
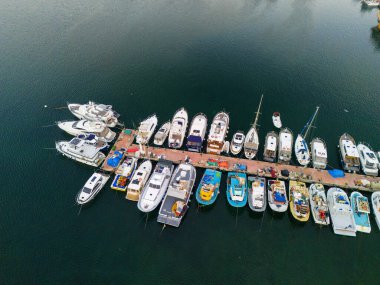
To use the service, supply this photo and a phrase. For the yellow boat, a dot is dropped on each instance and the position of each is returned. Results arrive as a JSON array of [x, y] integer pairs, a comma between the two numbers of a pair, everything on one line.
[[299, 201]]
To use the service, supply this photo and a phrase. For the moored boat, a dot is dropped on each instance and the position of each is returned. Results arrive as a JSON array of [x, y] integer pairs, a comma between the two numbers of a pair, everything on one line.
[[349, 153], [237, 189], [178, 128], [208, 188], [257, 199], [299, 200], [319, 153], [375, 199], [237, 142], [277, 198], [361, 210], [270, 147], [218, 133], [95, 112], [146, 129], [285, 146], [197, 133], [371, 3], [277, 120], [138, 181], [115, 160], [318, 204], [92, 187], [83, 127], [123, 174], [368, 159], [251, 142], [162, 133]]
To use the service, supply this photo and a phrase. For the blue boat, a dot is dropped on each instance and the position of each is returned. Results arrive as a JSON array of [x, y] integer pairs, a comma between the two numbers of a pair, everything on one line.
[[115, 160], [237, 195], [208, 188], [360, 208]]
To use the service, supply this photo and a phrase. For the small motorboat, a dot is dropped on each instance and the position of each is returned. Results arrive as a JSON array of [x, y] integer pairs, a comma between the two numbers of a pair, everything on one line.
[[270, 148], [237, 189], [208, 188], [237, 142], [277, 120], [257, 198], [368, 159], [318, 204], [124, 173], [138, 181], [146, 129], [375, 199], [299, 200], [162, 134], [277, 198], [361, 210], [370, 3], [92, 187]]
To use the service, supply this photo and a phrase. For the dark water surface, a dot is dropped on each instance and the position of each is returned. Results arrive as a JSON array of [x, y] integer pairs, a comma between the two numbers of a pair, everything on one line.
[[156, 56]]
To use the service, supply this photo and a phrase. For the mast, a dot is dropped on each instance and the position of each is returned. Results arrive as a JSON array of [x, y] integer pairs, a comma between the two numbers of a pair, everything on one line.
[[311, 122], [258, 112]]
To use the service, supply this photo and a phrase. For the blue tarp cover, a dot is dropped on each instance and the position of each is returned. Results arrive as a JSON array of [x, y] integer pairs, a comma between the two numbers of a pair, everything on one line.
[[336, 173]]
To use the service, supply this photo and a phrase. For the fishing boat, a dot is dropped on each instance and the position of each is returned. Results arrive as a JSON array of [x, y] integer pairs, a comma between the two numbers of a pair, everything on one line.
[[92, 187], [146, 129], [277, 120], [285, 146], [300, 147], [341, 213], [349, 153], [277, 199], [299, 200], [123, 174], [162, 133], [251, 142], [237, 142], [208, 188], [270, 148], [95, 112], [257, 199], [178, 128], [156, 186], [84, 127], [138, 181], [368, 159], [361, 210], [319, 153], [197, 133], [370, 3], [218, 133], [375, 199], [237, 189], [318, 204], [175, 204]]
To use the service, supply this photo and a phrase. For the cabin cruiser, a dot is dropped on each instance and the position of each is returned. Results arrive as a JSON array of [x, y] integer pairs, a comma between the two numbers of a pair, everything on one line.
[[341, 213], [197, 133], [375, 199], [138, 180], [319, 153], [277, 199], [237, 142], [156, 186], [178, 128], [146, 129], [361, 210], [257, 198], [270, 148], [95, 112], [83, 127], [368, 159], [237, 189], [162, 133], [277, 120], [349, 153], [218, 133], [318, 204], [124, 173], [285, 146], [92, 187], [299, 200], [175, 204]]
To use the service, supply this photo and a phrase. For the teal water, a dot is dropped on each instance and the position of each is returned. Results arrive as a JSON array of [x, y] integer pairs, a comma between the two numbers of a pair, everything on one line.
[[156, 56]]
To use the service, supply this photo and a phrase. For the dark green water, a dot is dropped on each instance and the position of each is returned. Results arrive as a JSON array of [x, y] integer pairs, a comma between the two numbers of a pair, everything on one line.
[[156, 56]]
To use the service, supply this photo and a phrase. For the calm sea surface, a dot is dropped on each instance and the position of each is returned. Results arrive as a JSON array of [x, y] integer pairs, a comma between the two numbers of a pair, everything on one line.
[[147, 57]]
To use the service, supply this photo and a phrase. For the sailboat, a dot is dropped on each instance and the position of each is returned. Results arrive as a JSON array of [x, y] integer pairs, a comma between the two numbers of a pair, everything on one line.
[[251, 143], [300, 147]]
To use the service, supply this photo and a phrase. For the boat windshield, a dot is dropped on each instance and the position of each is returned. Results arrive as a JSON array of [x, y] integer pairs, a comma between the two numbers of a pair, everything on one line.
[[86, 190]]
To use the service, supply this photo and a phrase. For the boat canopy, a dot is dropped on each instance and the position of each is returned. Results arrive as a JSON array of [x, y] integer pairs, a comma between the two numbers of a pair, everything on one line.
[[336, 173]]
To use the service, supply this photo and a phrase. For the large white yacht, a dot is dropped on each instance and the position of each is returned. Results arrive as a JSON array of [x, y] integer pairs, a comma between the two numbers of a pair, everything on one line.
[[349, 153], [197, 133], [218, 133], [319, 153], [95, 112], [285, 146], [83, 127], [270, 148], [92, 187], [237, 142], [368, 160], [178, 128], [138, 181], [156, 187], [162, 133], [146, 129]]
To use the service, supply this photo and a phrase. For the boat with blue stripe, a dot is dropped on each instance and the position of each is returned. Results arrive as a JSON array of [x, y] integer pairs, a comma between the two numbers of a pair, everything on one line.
[[360, 208], [237, 195], [208, 188]]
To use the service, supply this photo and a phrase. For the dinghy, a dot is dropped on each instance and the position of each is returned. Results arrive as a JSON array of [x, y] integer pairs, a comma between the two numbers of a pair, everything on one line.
[[277, 120]]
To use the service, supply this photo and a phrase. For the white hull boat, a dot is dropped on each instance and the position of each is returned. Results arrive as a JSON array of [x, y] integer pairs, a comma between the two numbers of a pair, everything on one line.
[[285, 146], [146, 129], [162, 134], [319, 153], [197, 133], [251, 143], [277, 120], [375, 199], [361, 210], [368, 160], [370, 3], [95, 112], [124, 173], [237, 142], [178, 128], [318, 204], [138, 181], [257, 198], [92, 187], [277, 198], [270, 148], [83, 127], [349, 153], [218, 133]]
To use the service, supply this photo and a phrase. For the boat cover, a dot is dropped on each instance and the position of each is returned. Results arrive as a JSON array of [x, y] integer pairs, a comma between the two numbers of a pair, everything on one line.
[[336, 173]]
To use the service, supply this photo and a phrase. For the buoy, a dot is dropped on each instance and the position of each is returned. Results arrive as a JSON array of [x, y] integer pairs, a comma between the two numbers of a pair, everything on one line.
[[45, 106]]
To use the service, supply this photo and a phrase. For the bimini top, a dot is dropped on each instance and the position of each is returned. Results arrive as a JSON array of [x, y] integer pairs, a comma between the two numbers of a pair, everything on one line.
[[350, 148], [320, 149]]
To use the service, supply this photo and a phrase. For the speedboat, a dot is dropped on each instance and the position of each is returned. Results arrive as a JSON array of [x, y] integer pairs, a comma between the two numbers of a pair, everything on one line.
[[237, 142], [319, 153], [368, 160], [138, 180], [156, 186], [349, 153], [285, 146], [218, 133], [237, 189], [341, 213], [83, 127], [115, 160], [162, 134], [277, 199], [270, 148], [208, 188], [175, 204], [178, 128], [124, 173], [318, 204], [299, 200], [146, 129], [92, 187], [375, 199], [361, 210], [257, 198], [371, 3], [95, 112], [277, 120], [197, 133]]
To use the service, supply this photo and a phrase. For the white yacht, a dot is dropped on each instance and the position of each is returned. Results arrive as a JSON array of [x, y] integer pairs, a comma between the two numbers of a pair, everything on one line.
[[375, 199], [341, 213], [162, 134], [146, 129], [197, 133], [86, 150], [95, 112], [92, 187], [368, 160], [138, 180], [237, 142], [285, 146], [318, 204], [270, 148], [82, 127], [319, 153], [178, 128], [124, 173], [218, 133], [277, 198], [177, 198], [251, 142], [156, 186], [349, 153], [257, 198]]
